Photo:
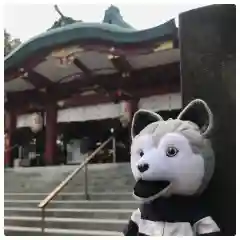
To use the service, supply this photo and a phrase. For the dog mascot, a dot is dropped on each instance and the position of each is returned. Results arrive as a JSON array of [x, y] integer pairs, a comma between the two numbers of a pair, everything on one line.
[[172, 162]]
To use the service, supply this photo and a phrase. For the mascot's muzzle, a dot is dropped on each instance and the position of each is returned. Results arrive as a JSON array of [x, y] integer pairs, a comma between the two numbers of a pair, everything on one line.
[[143, 167]]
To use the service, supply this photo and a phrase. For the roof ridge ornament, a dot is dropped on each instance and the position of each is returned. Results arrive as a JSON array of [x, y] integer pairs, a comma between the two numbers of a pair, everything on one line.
[[113, 16], [58, 11], [63, 20]]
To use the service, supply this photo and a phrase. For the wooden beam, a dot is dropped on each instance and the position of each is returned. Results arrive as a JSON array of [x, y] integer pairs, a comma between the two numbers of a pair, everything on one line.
[[90, 45], [98, 98], [26, 109], [119, 95], [27, 65], [37, 80], [121, 63], [143, 78], [82, 67], [31, 97], [11, 74], [67, 89], [139, 78], [79, 100]]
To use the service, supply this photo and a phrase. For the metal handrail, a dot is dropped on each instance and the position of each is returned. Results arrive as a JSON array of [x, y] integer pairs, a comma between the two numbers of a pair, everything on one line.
[[10, 148], [43, 204], [45, 201]]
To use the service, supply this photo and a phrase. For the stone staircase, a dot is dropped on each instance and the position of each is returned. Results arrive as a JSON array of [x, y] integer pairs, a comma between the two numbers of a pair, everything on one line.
[[105, 214]]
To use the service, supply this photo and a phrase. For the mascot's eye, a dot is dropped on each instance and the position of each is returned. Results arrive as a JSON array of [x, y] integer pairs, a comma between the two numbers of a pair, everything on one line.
[[171, 151], [141, 153]]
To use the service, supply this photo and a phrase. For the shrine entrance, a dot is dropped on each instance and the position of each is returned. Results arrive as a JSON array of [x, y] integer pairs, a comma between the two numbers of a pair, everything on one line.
[[80, 74]]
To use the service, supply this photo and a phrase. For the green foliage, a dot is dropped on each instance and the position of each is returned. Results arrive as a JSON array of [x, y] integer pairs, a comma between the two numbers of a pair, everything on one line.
[[9, 43]]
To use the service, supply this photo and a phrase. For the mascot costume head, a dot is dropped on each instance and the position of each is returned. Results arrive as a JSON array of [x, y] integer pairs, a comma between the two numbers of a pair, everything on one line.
[[172, 162]]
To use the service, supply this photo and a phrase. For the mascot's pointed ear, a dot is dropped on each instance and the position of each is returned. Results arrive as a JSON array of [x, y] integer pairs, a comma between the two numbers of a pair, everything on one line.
[[194, 112], [141, 119]]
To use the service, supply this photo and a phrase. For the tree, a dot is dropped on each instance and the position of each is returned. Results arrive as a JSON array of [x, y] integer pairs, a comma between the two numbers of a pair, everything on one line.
[[9, 43]]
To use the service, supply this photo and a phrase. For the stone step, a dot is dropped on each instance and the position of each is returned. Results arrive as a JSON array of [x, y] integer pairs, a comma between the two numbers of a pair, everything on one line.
[[70, 213], [116, 225], [105, 214], [45, 179], [71, 196], [112, 204], [96, 185], [30, 231]]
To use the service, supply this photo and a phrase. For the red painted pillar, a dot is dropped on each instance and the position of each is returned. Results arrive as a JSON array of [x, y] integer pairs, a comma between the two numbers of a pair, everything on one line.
[[51, 134], [10, 125], [133, 106]]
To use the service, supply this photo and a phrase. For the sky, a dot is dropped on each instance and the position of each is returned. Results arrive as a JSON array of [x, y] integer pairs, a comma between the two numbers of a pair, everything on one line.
[[28, 20]]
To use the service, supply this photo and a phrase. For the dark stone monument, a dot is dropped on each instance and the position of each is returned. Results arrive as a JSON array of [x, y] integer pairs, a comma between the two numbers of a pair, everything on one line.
[[208, 71]]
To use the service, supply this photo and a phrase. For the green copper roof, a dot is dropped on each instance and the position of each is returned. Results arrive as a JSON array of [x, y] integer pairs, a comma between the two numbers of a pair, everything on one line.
[[72, 33]]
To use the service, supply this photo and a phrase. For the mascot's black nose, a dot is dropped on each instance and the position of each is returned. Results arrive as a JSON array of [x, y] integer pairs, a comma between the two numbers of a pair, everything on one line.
[[143, 167]]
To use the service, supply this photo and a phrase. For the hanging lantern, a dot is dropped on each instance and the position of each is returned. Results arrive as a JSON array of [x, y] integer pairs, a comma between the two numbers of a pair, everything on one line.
[[6, 142], [170, 103], [5, 97], [37, 122], [125, 117]]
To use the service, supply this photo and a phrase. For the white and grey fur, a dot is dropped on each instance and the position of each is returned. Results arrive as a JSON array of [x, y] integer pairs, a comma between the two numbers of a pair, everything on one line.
[[159, 130], [172, 162]]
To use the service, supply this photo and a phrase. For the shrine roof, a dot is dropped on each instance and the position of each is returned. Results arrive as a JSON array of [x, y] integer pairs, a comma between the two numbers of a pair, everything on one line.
[[76, 50]]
